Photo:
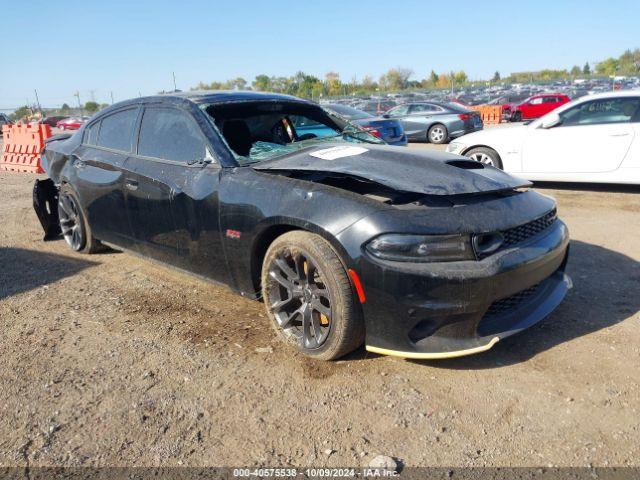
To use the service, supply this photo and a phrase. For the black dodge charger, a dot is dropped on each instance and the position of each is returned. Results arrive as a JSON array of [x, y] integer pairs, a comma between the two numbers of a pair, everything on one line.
[[345, 239]]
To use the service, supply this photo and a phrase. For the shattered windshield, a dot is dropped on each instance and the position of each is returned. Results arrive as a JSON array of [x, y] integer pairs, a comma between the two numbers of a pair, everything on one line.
[[259, 131]]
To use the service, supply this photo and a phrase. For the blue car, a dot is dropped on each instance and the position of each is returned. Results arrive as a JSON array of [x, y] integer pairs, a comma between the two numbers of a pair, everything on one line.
[[388, 130]]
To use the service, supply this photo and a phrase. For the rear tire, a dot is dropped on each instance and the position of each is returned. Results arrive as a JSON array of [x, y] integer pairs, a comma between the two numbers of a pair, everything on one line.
[[517, 117], [485, 155], [75, 228], [438, 134], [309, 298]]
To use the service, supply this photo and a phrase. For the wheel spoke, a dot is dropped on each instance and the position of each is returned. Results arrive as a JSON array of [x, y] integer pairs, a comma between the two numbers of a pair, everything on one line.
[[282, 281], [285, 323], [319, 307], [286, 269], [66, 206], [308, 328], [280, 304]]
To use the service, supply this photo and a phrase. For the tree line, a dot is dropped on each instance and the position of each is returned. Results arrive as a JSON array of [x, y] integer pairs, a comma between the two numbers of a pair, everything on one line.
[[398, 79]]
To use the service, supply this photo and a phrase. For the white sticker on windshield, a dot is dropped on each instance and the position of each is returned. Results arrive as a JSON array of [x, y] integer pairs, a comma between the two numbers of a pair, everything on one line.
[[334, 153]]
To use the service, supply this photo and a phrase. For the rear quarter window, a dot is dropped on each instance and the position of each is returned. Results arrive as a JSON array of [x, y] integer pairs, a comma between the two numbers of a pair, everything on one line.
[[91, 134], [116, 130]]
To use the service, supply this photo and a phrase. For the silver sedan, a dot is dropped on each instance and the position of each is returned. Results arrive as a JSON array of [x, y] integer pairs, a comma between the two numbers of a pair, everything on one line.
[[435, 122]]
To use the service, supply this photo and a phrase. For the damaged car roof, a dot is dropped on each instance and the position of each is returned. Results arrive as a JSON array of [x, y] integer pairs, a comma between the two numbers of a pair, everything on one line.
[[430, 173]]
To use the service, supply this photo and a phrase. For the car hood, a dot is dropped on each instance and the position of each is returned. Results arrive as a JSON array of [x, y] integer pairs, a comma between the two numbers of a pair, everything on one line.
[[406, 170]]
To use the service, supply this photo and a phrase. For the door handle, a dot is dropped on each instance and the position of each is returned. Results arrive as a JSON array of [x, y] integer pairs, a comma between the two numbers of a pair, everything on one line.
[[79, 163], [131, 184]]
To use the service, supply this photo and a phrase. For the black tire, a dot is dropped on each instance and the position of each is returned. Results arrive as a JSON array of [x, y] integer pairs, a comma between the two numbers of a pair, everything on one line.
[[438, 134], [75, 228], [517, 117], [297, 266], [480, 154]]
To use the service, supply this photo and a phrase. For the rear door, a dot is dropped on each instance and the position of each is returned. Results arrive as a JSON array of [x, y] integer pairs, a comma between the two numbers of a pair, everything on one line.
[[594, 136], [99, 168], [419, 119]]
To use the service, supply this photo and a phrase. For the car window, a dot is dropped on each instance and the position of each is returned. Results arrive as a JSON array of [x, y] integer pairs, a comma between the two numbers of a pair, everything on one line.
[[170, 134], [536, 101], [116, 130], [606, 110], [550, 100], [423, 107], [401, 110], [91, 134]]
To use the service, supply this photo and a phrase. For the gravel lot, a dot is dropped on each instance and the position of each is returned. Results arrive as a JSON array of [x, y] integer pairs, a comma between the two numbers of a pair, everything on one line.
[[113, 360]]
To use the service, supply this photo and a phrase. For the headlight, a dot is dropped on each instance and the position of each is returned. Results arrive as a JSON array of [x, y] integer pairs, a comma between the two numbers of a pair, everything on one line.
[[454, 147], [421, 248]]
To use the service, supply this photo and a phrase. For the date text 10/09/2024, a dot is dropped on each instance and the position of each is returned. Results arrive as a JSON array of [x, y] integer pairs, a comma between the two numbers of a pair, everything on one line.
[[367, 472]]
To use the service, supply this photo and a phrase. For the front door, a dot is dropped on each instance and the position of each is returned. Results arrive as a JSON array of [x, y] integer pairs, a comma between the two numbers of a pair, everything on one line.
[[172, 193], [594, 136]]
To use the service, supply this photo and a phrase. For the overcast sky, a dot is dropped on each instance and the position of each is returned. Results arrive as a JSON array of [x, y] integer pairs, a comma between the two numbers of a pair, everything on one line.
[[131, 47]]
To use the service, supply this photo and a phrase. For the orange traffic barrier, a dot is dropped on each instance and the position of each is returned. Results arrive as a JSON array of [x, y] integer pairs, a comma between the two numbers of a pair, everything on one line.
[[22, 147], [489, 113]]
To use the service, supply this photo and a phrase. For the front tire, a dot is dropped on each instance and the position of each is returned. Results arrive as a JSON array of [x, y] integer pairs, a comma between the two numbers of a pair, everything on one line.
[[485, 155], [517, 117], [308, 297], [438, 134], [74, 226]]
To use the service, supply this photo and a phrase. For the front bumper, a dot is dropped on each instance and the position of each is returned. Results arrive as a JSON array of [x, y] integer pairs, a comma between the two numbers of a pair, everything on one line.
[[444, 310]]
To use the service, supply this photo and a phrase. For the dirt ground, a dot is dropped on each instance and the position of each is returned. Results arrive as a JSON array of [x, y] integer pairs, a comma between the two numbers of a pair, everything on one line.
[[112, 360]]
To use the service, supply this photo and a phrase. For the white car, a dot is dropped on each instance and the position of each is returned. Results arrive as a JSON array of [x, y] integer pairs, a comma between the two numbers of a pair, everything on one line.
[[592, 139]]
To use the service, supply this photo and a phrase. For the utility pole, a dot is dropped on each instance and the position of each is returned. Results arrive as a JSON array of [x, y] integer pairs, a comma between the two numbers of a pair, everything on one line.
[[38, 103], [111, 97], [175, 88], [77, 95]]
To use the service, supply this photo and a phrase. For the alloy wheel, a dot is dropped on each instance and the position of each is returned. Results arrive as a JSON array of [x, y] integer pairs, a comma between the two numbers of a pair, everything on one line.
[[436, 134], [482, 158], [70, 221], [299, 299]]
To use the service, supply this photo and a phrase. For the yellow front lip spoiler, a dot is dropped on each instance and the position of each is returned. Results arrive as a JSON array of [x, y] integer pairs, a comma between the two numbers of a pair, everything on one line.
[[434, 355]]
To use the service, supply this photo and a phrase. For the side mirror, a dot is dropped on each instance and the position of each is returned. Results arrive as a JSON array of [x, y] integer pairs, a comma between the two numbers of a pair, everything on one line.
[[550, 121], [386, 115]]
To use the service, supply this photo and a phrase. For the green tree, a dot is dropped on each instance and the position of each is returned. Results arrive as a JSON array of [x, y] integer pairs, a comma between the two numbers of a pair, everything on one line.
[[65, 106], [91, 107], [608, 67], [460, 78], [261, 83], [238, 83], [586, 70], [333, 84], [496, 77], [575, 70], [433, 78], [22, 112]]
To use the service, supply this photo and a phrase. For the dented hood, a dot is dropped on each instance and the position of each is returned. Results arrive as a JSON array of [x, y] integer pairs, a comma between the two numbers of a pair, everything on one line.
[[402, 169]]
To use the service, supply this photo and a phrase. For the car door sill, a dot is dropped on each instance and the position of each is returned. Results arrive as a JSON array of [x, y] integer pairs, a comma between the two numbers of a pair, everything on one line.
[[169, 266]]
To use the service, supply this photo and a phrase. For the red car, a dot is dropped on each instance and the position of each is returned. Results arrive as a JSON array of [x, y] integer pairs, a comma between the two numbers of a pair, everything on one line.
[[71, 123], [537, 106]]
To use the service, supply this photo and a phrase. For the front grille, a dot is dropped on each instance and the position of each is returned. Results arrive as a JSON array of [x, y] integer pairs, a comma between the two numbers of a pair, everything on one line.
[[501, 306], [521, 233]]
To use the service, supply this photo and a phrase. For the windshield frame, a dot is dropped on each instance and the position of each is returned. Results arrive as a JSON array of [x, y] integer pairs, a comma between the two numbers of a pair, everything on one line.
[[348, 129]]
